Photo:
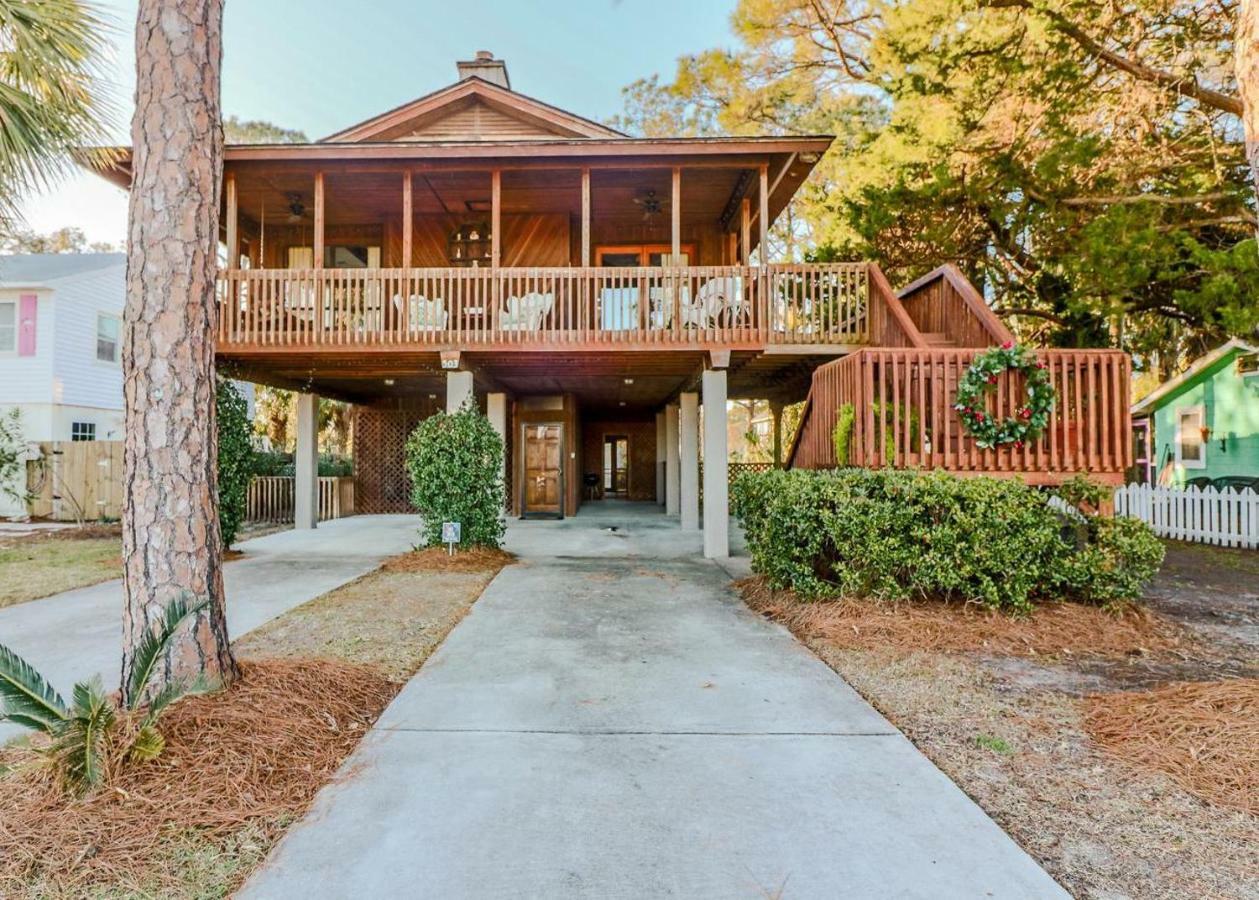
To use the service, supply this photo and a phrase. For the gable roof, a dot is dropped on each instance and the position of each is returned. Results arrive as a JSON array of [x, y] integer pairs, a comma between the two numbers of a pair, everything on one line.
[[421, 118], [1168, 389], [35, 269]]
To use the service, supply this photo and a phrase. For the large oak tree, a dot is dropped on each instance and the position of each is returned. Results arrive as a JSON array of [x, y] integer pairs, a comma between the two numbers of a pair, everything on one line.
[[171, 542]]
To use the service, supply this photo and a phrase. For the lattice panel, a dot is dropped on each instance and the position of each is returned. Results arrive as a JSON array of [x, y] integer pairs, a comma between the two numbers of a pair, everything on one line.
[[380, 438]]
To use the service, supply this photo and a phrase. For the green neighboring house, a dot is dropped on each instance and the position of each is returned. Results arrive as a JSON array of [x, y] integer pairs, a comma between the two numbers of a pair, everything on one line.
[[1203, 423]]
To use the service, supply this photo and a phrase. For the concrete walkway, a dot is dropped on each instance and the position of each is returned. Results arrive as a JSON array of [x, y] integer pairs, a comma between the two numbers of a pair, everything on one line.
[[77, 634], [613, 724]]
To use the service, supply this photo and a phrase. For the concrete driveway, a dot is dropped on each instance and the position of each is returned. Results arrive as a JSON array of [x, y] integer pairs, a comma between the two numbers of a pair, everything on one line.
[[77, 634], [613, 724]]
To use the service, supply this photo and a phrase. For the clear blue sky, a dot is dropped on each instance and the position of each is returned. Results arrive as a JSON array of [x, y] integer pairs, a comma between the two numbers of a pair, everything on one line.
[[320, 65]]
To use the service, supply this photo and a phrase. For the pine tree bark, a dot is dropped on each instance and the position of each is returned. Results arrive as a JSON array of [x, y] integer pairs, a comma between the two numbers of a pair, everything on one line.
[[1246, 51], [171, 542]]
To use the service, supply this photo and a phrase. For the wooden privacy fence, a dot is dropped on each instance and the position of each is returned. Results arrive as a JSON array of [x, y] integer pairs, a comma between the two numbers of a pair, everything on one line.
[[76, 481], [506, 307], [1209, 515], [271, 498], [904, 416]]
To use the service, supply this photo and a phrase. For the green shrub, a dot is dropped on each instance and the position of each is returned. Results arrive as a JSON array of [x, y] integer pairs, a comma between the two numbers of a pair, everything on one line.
[[1083, 493], [455, 464], [845, 418], [897, 535], [1119, 558], [235, 459], [270, 463]]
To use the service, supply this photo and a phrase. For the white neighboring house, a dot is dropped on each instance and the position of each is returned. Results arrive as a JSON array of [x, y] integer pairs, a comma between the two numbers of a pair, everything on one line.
[[61, 346]]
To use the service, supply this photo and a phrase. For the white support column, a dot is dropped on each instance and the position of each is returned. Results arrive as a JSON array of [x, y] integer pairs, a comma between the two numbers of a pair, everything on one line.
[[306, 463], [688, 427], [496, 412], [458, 389], [661, 456], [672, 470], [716, 466]]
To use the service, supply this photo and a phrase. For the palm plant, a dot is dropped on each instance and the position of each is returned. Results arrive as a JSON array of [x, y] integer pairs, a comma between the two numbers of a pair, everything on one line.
[[51, 106], [92, 732]]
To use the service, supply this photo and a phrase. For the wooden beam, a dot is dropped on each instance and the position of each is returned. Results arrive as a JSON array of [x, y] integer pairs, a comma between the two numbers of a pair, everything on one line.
[[496, 217], [585, 216], [408, 221], [233, 222], [317, 249], [763, 251], [676, 195], [745, 231]]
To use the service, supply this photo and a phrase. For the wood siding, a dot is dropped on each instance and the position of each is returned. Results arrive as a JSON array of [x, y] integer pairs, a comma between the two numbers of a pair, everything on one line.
[[641, 433], [1088, 429], [945, 304]]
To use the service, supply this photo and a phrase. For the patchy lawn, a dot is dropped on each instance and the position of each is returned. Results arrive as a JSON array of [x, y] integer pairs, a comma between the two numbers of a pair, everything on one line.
[[1121, 752], [46, 563], [239, 766]]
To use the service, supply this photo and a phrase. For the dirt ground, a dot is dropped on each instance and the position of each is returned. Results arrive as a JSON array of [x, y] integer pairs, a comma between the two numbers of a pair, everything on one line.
[[1011, 729]]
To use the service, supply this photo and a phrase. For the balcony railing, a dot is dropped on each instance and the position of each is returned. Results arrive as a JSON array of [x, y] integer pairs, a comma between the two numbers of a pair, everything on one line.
[[903, 401], [628, 308]]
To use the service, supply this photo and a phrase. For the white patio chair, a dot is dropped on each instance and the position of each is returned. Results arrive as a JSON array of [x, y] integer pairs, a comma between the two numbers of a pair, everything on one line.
[[690, 314], [526, 313], [719, 295], [421, 313]]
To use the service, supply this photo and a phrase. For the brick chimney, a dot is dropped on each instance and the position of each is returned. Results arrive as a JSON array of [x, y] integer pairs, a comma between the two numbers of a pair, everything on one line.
[[485, 67]]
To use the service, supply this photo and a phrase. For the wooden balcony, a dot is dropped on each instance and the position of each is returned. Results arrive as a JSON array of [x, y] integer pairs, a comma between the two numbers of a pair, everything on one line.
[[695, 307], [903, 400]]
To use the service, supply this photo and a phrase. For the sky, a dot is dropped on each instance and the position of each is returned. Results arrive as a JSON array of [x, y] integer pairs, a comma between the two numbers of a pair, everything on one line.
[[320, 65]]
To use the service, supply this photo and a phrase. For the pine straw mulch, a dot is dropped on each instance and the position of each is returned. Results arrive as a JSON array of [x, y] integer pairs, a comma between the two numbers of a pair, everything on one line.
[[1203, 735], [1055, 629], [252, 757], [436, 559]]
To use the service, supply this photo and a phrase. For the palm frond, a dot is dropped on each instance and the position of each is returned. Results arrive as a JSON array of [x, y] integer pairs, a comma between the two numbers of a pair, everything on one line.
[[25, 697], [80, 745], [148, 744], [148, 652], [177, 690]]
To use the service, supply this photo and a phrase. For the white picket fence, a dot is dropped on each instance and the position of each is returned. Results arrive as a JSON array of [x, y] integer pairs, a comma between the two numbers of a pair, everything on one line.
[[1227, 518]]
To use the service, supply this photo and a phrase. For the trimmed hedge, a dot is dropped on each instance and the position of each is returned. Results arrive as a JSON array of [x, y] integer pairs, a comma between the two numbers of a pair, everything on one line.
[[455, 463], [897, 535], [235, 458]]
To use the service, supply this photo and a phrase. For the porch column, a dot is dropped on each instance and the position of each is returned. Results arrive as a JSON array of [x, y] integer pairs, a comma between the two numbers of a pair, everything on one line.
[[496, 412], [762, 252], [716, 466], [745, 231], [408, 221], [585, 217], [306, 463], [776, 414], [672, 473], [233, 221], [688, 426], [662, 444], [458, 389], [317, 250], [675, 246], [496, 218]]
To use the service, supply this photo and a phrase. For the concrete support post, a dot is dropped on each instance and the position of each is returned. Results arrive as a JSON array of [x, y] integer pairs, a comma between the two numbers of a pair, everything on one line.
[[306, 463], [716, 466], [496, 412], [672, 470], [688, 429], [458, 389], [661, 456]]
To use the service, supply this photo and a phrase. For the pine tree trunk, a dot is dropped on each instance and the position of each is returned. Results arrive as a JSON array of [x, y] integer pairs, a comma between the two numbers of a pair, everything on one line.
[[171, 542], [1246, 48]]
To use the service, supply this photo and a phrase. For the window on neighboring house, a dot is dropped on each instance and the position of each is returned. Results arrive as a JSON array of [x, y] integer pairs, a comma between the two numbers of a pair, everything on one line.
[[1191, 445], [8, 326], [107, 329], [82, 431]]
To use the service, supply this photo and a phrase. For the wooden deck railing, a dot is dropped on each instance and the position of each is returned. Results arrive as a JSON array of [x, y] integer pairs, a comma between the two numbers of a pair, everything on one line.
[[903, 401], [505, 308], [271, 498]]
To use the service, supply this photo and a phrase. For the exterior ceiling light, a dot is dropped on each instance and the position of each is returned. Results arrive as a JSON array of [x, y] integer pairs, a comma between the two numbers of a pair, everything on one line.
[[388, 382], [808, 158], [629, 380], [622, 403]]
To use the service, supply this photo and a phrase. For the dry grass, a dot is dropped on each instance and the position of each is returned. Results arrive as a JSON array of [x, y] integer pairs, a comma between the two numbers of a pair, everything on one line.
[[254, 755], [436, 559], [1203, 735], [35, 567], [1053, 630]]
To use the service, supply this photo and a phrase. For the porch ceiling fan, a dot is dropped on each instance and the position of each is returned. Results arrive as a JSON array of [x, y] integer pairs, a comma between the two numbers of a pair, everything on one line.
[[296, 207], [650, 204]]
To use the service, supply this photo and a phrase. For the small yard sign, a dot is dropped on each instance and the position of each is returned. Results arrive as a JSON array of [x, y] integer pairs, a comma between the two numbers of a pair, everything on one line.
[[450, 536]]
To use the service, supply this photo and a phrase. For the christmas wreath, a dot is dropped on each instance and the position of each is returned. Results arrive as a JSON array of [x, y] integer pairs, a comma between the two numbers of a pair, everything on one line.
[[1028, 421]]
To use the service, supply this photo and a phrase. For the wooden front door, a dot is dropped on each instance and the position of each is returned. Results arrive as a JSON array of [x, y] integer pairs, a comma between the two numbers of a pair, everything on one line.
[[544, 471]]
